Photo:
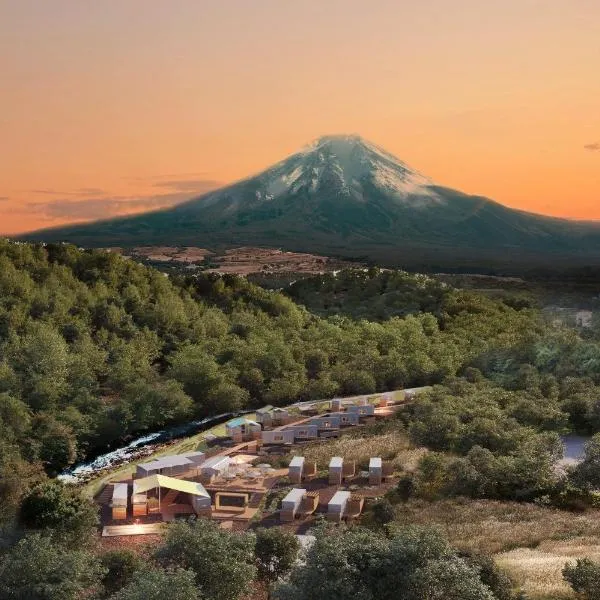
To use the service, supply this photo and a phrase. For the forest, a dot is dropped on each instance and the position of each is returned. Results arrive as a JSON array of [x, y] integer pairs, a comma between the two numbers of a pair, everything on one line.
[[95, 348]]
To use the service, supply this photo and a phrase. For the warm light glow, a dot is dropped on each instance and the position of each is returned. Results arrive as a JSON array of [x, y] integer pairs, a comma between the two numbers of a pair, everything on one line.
[[116, 107]]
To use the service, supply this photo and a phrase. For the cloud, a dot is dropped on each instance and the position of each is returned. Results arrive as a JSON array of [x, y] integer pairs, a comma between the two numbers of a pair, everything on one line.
[[105, 207], [76, 192], [188, 185], [595, 147]]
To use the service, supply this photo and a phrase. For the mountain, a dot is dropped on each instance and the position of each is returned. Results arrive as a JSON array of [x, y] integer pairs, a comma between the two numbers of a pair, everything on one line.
[[344, 196]]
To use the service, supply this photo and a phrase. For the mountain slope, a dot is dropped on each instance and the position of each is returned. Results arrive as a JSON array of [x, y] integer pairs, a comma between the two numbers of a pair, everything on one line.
[[343, 195]]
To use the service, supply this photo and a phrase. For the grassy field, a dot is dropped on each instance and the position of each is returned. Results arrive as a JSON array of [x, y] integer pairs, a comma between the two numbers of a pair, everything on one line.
[[393, 446], [188, 444], [531, 543]]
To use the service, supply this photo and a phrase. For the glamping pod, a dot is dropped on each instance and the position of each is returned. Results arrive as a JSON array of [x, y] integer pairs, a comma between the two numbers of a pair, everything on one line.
[[336, 465], [290, 504], [295, 469], [275, 437], [243, 430], [214, 467], [337, 506], [375, 471]]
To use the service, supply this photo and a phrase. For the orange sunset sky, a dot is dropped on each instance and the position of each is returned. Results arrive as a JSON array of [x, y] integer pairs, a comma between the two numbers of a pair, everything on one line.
[[115, 106]]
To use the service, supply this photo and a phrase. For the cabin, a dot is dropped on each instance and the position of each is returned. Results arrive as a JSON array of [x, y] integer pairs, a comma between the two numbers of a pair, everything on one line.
[[295, 469], [386, 400], [172, 465], [327, 425], [375, 471], [275, 437], [300, 470], [217, 466], [243, 430], [347, 419], [336, 405], [379, 471], [139, 504], [336, 466], [118, 503], [340, 469], [291, 504], [280, 416], [337, 506], [264, 416], [363, 410], [305, 432]]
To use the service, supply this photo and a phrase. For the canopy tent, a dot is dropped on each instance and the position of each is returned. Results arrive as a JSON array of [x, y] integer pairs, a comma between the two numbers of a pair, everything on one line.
[[162, 481]]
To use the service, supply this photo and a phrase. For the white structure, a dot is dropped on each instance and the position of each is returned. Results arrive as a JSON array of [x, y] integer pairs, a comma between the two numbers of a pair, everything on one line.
[[375, 471], [337, 506], [278, 436], [336, 404], [336, 467], [175, 464], [215, 467], [347, 418], [296, 468], [242, 429], [308, 431], [291, 503]]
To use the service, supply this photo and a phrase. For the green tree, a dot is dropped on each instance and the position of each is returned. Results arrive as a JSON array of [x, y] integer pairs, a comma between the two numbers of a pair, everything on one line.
[[63, 509], [275, 550], [159, 584], [39, 568], [119, 568], [223, 562], [584, 578]]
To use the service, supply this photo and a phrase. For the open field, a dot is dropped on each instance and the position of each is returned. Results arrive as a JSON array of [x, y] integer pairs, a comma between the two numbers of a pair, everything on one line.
[[393, 446], [531, 543]]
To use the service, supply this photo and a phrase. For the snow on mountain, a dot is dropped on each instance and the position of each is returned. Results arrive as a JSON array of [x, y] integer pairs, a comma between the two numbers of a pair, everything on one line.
[[346, 163]]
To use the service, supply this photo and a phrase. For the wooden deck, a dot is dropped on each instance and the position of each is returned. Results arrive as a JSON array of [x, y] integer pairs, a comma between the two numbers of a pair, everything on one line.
[[136, 529]]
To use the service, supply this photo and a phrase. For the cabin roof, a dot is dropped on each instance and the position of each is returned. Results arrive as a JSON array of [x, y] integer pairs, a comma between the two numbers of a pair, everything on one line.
[[375, 463], [295, 495], [336, 462], [171, 483]]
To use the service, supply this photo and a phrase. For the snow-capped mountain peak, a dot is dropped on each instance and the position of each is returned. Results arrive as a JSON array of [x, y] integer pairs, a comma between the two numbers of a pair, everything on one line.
[[349, 165]]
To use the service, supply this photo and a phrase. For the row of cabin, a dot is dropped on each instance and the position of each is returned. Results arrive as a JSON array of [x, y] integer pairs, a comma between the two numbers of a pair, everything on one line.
[[340, 470], [323, 426], [299, 502]]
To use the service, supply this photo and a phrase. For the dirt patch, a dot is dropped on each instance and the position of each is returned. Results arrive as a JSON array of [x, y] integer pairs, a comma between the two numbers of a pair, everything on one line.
[[238, 261]]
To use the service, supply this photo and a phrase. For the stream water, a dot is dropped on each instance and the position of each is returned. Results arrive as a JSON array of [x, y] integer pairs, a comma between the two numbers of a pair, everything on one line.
[[139, 447]]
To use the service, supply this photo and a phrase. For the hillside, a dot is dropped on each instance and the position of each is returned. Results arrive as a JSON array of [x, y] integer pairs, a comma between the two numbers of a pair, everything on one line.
[[345, 197]]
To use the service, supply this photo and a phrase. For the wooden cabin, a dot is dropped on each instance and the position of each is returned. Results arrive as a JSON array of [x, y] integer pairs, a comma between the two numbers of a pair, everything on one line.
[[118, 503], [264, 416]]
